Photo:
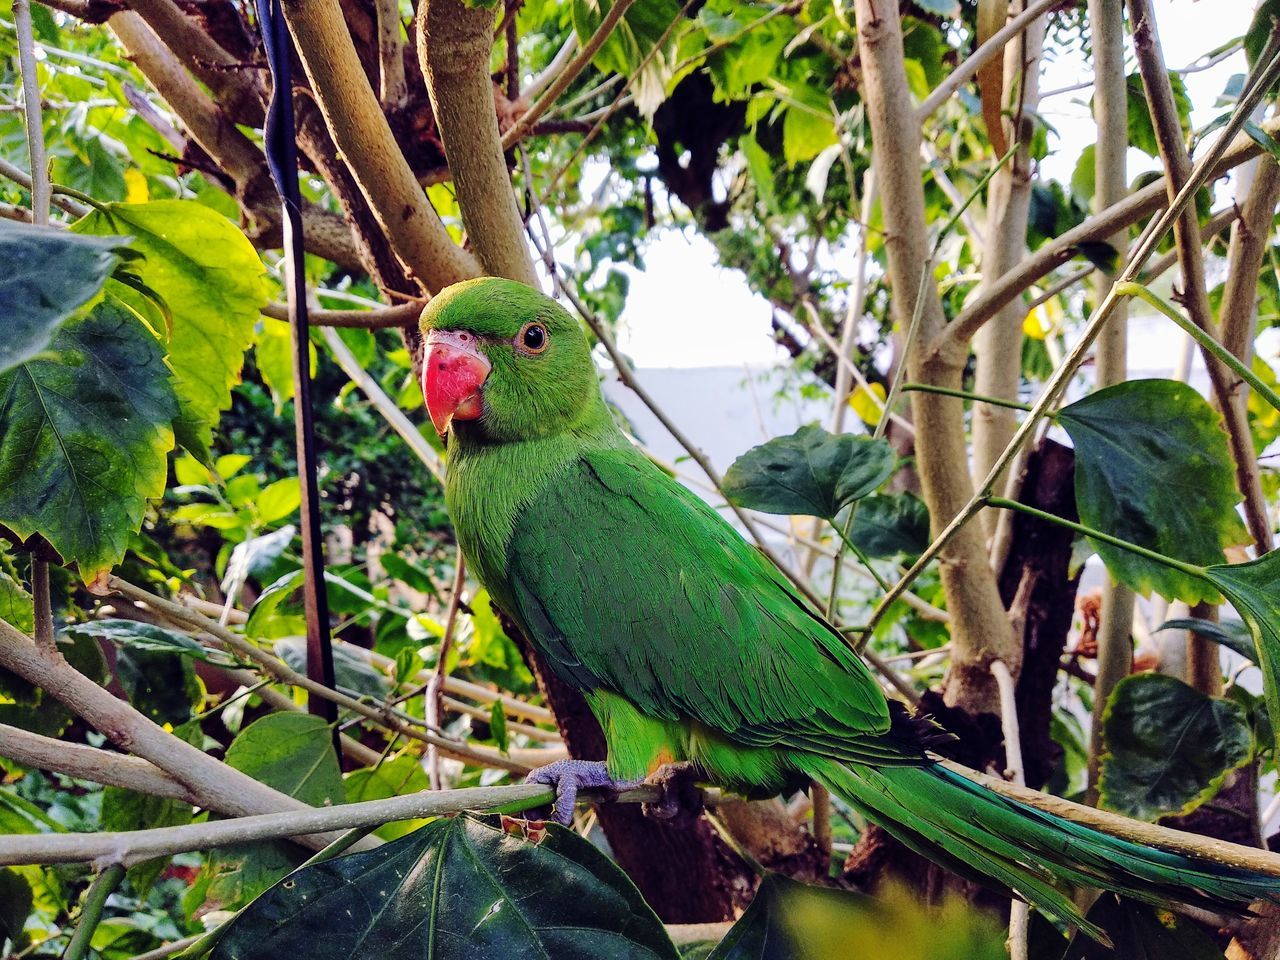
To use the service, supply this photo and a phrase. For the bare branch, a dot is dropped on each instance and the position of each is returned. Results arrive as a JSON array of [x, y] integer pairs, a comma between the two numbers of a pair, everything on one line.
[[392, 89], [138, 845], [360, 130], [454, 41], [980, 57], [33, 119], [554, 68], [1195, 293], [90, 763], [567, 75], [213, 783], [1141, 203]]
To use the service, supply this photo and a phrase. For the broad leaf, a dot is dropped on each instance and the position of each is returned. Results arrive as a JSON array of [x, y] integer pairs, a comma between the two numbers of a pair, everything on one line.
[[460, 887], [211, 279], [633, 44], [351, 672], [1254, 590], [83, 438], [889, 525], [810, 472], [48, 273], [153, 666], [1236, 637], [292, 752], [1141, 932], [1169, 747], [392, 778], [130, 634], [788, 920], [16, 606], [1153, 468], [15, 904]]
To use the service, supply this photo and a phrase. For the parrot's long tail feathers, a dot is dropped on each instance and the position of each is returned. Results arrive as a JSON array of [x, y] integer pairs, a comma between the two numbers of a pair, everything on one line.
[[1035, 854]]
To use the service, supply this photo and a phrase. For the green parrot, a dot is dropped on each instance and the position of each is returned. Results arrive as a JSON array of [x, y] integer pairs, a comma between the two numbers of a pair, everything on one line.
[[690, 646]]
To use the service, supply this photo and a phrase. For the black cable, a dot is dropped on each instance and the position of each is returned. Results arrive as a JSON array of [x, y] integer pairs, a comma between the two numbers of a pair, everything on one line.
[[282, 159]]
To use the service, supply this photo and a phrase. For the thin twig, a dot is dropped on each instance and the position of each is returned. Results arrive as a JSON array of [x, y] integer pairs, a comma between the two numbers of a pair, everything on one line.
[[1261, 83], [95, 901], [32, 116], [1015, 771], [43, 610], [567, 75], [435, 688]]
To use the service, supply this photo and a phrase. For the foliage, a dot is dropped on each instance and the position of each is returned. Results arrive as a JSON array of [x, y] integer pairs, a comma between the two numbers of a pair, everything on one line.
[[1169, 748]]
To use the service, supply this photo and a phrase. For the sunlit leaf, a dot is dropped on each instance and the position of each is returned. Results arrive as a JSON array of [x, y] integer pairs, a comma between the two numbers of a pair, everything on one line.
[[83, 438], [1168, 746], [212, 280]]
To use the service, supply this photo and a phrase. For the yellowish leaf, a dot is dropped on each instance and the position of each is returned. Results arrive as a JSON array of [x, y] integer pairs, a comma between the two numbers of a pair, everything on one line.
[[868, 404]]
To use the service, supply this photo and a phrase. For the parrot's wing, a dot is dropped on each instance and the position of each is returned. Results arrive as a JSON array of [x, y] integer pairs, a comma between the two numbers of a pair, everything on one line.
[[630, 583]]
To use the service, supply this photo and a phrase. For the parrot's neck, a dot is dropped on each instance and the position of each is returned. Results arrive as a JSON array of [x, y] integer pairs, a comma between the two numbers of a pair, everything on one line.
[[487, 485]]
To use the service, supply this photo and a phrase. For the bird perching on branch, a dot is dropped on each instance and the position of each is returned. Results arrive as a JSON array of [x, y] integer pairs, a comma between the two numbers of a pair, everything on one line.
[[688, 645]]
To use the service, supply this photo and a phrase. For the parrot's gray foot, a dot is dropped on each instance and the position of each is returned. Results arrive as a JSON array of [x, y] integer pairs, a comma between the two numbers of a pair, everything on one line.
[[570, 776], [681, 802]]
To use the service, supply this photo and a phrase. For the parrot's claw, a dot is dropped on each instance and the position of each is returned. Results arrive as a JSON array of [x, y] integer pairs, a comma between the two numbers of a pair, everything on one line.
[[570, 776], [681, 802]]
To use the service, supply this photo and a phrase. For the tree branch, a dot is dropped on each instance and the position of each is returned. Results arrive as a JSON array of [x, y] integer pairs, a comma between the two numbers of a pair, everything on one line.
[[135, 846], [392, 89], [1195, 293], [454, 41], [1141, 203], [988, 51], [376, 319], [980, 629], [90, 763], [213, 783], [566, 76], [359, 128], [517, 761], [33, 119]]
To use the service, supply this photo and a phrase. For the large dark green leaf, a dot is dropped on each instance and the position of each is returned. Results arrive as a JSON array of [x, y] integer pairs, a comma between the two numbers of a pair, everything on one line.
[[47, 274], [1236, 637], [1169, 747], [15, 904], [891, 524], [211, 279], [292, 752], [1141, 932], [792, 921], [461, 887], [1153, 468], [1254, 590], [809, 472], [350, 671], [83, 438]]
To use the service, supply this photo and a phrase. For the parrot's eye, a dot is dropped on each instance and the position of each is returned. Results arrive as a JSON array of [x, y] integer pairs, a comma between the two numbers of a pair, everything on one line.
[[533, 337]]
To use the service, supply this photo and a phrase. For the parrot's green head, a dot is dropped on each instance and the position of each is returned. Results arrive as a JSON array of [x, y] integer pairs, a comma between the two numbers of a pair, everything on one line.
[[505, 363]]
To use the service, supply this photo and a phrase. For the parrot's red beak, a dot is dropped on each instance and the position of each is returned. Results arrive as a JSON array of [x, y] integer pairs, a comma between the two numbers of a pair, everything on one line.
[[452, 377]]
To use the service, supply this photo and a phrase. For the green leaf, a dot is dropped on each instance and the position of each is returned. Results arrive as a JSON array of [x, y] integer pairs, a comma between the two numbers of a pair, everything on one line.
[[890, 525], [391, 778], [274, 356], [160, 684], [788, 920], [16, 607], [212, 280], [48, 274], [460, 888], [131, 634], [1142, 133], [1153, 468], [15, 905], [498, 725], [292, 752], [809, 472], [630, 44], [1169, 747], [127, 810], [1141, 932], [83, 438], [806, 132], [350, 671], [279, 499], [1236, 637], [1254, 590]]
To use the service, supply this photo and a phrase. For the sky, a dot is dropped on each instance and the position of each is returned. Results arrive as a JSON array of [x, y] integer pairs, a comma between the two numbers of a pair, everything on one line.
[[684, 311]]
